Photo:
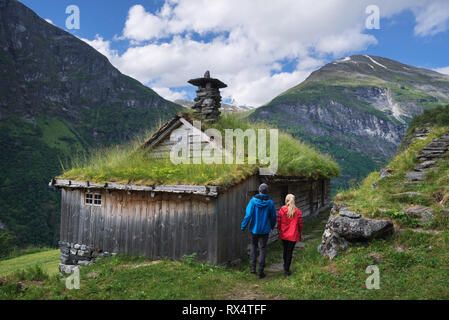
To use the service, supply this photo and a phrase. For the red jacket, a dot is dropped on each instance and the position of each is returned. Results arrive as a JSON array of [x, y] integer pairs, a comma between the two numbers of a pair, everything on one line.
[[289, 228]]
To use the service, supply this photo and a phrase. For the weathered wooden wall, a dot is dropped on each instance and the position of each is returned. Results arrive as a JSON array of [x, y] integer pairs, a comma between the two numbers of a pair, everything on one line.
[[172, 225], [166, 226], [231, 207], [311, 197]]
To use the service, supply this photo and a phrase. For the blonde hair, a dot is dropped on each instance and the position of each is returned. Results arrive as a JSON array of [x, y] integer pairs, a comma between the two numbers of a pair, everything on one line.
[[290, 203]]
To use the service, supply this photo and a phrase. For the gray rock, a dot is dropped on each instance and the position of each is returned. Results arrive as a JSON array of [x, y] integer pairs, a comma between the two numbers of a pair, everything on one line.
[[341, 230], [73, 251], [384, 173], [415, 176], [350, 214], [423, 213], [332, 244], [84, 253], [65, 250], [425, 165], [85, 262], [361, 229], [83, 247], [66, 268], [77, 246], [408, 194]]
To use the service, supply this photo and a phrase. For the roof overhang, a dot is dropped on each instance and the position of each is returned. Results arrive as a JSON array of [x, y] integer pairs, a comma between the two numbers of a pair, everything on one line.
[[211, 191]]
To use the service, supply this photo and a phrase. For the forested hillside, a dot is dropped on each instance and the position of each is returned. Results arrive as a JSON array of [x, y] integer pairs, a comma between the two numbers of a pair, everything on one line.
[[58, 97]]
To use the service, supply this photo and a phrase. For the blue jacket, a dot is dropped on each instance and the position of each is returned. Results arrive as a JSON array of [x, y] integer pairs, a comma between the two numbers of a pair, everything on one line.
[[260, 215]]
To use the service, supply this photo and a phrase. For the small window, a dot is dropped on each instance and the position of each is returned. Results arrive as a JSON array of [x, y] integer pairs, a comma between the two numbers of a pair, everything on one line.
[[93, 199], [89, 198], [97, 200]]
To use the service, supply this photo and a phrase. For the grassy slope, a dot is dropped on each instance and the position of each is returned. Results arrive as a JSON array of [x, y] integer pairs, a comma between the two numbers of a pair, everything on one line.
[[353, 164], [418, 273], [122, 164], [385, 200], [48, 260]]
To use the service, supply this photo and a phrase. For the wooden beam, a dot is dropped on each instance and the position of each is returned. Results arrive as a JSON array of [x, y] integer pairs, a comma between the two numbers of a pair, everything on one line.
[[190, 189]]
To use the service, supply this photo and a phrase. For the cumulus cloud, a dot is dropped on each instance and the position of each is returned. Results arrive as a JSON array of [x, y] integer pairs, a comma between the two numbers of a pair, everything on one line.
[[260, 48], [104, 47], [433, 18]]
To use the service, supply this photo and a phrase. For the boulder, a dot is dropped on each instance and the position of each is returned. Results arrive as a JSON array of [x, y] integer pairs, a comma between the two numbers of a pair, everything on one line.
[[345, 227], [424, 214], [361, 229]]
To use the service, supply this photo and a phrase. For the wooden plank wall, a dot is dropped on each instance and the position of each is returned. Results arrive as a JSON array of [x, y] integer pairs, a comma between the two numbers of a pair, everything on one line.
[[163, 148], [166, 226], [171, 225], [232, 243]]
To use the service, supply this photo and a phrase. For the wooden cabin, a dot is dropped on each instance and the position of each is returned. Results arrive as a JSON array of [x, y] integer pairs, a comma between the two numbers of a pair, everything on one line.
[[171, 221]]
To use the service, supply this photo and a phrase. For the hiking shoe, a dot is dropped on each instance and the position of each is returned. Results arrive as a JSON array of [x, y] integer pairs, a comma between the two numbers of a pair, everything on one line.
[[287, 273], [253, 271], [261, 275]]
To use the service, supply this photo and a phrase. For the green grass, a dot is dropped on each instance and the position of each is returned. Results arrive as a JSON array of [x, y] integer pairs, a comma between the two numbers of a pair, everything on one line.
[[438, 116], [384, 200], [127, 164], [420, 272], [48, 261], [56, 134]]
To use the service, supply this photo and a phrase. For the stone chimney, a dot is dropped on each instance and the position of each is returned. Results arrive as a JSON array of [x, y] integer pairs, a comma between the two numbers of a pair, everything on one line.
[[208, 100]]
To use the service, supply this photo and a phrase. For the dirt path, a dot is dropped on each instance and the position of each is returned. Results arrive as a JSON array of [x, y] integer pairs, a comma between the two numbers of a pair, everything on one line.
[[251, 291]]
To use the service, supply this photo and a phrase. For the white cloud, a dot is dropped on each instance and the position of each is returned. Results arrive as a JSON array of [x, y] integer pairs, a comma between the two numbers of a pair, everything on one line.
[[444, 70], [49, 21], [433, 18], [104, 47], [248, 44], [171, 95]]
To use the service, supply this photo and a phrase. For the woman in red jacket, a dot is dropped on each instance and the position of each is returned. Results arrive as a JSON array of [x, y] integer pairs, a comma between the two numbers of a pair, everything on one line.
[[289, 224]]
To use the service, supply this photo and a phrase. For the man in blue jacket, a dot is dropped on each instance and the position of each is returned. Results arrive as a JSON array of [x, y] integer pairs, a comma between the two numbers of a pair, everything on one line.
[[261, 217]]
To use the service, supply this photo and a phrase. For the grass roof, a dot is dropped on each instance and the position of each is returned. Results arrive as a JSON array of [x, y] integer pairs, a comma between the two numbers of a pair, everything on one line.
[[130, 164]]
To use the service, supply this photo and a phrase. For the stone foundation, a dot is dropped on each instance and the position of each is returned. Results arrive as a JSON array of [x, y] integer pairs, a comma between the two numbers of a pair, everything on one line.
[[75, 254]]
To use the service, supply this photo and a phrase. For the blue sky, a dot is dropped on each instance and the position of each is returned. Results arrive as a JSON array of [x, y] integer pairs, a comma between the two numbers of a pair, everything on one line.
[[259, 48]]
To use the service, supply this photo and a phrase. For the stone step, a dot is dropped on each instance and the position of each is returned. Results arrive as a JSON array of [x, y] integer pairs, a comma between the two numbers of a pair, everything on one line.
[[425, 165], [438, 144], [433, 150], [415, 176], [430, 156]]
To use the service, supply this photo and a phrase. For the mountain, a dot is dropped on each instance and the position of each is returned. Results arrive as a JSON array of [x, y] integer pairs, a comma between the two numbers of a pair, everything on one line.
[[58, 97], [357, 109], [225, 106]]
